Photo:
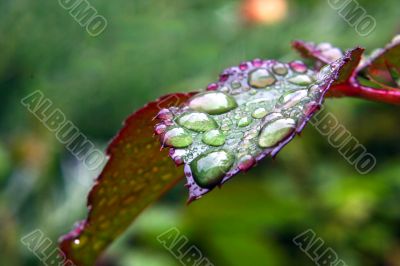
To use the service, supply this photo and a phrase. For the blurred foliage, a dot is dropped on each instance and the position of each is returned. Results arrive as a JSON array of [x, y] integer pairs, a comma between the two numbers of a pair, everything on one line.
[[154, 47]]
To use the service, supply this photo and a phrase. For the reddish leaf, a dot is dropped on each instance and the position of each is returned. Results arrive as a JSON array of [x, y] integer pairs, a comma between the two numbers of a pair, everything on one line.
[[383, 66], [136, 175]]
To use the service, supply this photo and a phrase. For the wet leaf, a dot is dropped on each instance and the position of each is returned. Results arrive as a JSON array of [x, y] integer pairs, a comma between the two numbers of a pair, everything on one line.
[[254, 110], [136, 174]]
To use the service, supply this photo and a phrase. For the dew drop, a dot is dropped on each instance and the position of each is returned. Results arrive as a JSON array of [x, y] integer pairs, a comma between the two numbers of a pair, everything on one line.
[[280, 69], [236, 84], [177, 137], [274, 132], [160, 128], [196, 121], [165, 114], [209, 169], [212, 87], [261, 78], [243, 66], [290, 99], [213, 102], [214, 138], [298, 66], [301, 80], [257, 62], [244, 121], [246, 162], [259, 113], [253, 92]]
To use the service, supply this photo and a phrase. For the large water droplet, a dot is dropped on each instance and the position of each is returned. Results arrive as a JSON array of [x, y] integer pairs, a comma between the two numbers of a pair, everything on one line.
[[301, 80], [214, 138], [274, 132], [213, 102], [199, 122], [177, 137], [209, 169], [261, 78], [259, 113]]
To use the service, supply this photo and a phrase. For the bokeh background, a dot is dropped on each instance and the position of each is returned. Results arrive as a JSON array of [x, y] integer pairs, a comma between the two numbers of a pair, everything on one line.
[[153, 47]]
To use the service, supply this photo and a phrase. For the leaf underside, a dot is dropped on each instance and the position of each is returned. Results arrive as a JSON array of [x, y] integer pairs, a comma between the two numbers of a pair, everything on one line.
[[136, 174]]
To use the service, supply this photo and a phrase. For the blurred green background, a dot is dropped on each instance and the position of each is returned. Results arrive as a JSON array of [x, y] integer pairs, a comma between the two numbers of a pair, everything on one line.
[[153, 47]]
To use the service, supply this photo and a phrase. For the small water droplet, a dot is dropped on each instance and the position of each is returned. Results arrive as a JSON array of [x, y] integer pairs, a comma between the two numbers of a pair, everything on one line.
[[236, 84], [160, 128], [196, 121], [209, 169], [298, 66], [244, 121], [165, 114], [261, 78], [259, 113], [212, 87], [257, 62], [280, 69], [275, 132], [223, 77], [213, 102], [246, 162], [214, 138], [301, 80], [292, 98], [177, 137], [225, 89], [243, 66], [253, 92]]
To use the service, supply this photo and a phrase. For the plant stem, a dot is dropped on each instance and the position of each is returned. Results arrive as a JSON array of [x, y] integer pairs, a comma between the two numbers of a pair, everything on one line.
[[354, 90]]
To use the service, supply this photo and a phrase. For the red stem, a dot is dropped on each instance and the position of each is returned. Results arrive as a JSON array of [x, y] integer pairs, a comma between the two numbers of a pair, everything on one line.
[[378, 95]]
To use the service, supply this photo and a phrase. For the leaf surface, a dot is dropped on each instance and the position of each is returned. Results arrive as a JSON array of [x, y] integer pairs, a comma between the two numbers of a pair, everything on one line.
[[254, 110]]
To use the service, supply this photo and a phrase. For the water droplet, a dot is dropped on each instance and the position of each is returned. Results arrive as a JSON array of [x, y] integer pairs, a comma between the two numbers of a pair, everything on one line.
[[259, 113], [209, 169], [280, 69], [213, 102], [244, 121], [212, 87], [225, 89], [292, 98], [301, 80], [177, 137], [275, 132], [243, 66], [236, 84], [261, 78], [214, 138], [195, 121], [298, 66], [160, 128], [165, 114], [223, 77], [246, 162], [253, 92], [257, 62]]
